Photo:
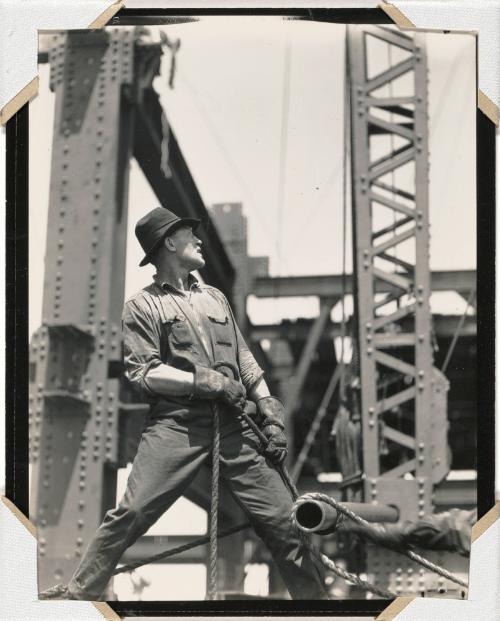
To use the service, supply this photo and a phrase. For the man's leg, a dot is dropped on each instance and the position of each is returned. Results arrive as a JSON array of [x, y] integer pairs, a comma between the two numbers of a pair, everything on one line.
[[261, 492], [166, 462]]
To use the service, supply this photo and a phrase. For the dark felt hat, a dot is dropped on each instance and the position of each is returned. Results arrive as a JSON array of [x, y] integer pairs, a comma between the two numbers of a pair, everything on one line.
[[154, 226]]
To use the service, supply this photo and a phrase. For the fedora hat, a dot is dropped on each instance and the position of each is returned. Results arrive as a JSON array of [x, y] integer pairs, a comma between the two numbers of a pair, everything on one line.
[[154, 226]]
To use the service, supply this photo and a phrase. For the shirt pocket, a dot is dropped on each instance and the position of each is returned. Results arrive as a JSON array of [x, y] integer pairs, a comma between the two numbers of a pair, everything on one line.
[[221, 328], [179, 333]]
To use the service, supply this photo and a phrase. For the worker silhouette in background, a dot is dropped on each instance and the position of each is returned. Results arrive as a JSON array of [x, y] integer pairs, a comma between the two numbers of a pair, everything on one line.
[[175, 330]]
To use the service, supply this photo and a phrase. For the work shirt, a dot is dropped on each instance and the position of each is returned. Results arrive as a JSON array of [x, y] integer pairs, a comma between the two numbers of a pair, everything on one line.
[[165, 325]]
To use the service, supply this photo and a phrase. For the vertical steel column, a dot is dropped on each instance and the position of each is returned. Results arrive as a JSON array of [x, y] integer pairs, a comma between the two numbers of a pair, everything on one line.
[[74, 400], [390, 355]]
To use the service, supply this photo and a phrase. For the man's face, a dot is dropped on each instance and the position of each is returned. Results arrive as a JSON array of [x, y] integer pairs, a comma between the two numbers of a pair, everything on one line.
[[188, 248]]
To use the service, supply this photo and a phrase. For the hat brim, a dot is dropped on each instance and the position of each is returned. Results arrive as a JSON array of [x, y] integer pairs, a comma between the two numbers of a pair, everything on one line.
[[169, 228]]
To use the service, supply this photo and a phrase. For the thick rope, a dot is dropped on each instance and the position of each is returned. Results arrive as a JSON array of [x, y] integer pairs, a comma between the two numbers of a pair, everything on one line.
[[377, 534], [346, 575], [214, 506], [179, 549]]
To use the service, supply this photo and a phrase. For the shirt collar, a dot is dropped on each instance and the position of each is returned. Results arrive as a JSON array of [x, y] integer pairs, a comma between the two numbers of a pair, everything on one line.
[[166, 286]]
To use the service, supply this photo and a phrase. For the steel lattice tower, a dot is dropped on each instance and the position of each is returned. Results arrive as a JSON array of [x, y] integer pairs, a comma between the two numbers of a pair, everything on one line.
[[402, 395]]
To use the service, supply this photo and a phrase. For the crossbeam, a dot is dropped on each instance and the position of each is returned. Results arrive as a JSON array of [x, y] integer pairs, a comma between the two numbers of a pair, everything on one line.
[[444, 328], [331, 285]]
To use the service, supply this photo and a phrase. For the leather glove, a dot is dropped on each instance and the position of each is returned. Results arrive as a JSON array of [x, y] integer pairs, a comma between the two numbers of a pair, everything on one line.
[[270, 411], [271, 419], [276, 446], [210, 384]]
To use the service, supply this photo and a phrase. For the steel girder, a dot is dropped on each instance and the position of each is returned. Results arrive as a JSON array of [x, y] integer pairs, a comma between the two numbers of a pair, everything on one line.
[[404, 431], [333, 285], [74, 401]]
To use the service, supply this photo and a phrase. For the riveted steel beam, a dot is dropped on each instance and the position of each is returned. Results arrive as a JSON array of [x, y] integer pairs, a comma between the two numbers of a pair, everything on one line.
[[394, 179], [75, 402], [330, 286], [444, 327]]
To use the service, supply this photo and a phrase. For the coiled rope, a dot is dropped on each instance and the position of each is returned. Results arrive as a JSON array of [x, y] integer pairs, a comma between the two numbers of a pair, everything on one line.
[[378, 534]]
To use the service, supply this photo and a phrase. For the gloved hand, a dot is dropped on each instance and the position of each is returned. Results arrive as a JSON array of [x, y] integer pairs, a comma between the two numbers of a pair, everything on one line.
[[276, 447], [210, 384], [271, 419]]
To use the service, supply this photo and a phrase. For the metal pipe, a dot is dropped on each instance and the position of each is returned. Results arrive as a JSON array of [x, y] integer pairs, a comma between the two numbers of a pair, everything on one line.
[[314, 516]]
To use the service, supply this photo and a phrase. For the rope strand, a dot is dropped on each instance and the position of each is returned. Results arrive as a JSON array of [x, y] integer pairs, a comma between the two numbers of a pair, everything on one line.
[[214, 505]]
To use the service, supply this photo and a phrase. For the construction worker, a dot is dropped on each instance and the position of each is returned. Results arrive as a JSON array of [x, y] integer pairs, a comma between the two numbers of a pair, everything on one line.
[[175, 330]]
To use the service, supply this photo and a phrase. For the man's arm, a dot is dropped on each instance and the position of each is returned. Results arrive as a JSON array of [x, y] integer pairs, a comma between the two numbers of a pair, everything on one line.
[[141, 351], [167, 380], [259, 390], [250, 372]]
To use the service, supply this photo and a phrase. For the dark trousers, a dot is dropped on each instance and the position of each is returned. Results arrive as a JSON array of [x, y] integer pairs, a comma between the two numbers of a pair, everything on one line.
[[167, 460]]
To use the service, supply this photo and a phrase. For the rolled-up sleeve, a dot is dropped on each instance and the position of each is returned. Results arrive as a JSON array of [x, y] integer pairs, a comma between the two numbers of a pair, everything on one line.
[[141, 346], [250, 371]]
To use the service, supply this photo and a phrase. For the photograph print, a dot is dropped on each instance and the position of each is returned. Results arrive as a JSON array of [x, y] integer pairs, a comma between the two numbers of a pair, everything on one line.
[[252, 311]]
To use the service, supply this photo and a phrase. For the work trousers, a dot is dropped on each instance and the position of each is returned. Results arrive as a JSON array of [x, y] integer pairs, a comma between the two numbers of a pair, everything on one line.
[[167, 460]]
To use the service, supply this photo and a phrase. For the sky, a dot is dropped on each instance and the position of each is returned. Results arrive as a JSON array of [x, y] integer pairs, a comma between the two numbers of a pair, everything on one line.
[[257, 108]]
